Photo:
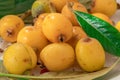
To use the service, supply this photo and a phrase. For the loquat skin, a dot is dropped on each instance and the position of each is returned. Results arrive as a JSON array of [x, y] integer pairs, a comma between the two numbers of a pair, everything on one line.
[[117, 26], [57, 56], [103, 17], [18, 58], [107, 7], [57, 28], [10, 25], [39, 20], [33, 37], [59, 4], [90, 54], [39, 7], [78, 33], [69, 14]]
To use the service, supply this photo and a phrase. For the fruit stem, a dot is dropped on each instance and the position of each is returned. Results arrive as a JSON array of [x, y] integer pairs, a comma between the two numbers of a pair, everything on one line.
[[70, 5], [25, 14], [87, 39]]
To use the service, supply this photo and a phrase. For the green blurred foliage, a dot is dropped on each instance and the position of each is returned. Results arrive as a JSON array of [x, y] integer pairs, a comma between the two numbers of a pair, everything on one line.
[[14, 6]]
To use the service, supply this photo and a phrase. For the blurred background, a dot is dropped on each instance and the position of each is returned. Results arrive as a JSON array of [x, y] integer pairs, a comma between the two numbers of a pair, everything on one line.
[[14, 6]]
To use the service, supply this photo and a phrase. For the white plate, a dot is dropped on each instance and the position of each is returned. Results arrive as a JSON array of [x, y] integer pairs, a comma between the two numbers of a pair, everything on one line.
[[115, 73], [112, 75]]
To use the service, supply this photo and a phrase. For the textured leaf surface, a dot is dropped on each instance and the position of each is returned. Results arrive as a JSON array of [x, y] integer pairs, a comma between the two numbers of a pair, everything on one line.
[[107, 35]]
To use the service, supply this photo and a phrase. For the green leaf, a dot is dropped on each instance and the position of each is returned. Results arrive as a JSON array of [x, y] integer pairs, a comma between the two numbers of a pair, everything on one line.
[[14, 6], [107, 34]]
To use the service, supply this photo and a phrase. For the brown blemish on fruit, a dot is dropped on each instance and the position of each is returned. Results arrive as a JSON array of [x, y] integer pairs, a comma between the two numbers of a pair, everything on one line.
[[10, 32], [93, 3], [84, 64], [26, 60], [118, 6], [87, 39], [18, 24], [1, 50]]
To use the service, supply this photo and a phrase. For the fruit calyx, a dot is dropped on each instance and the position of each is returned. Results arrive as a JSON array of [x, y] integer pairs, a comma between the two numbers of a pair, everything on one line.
[[61, 38], [10, 32]]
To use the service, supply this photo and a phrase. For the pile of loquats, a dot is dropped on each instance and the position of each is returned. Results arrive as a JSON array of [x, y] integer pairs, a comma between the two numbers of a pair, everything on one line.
[[56, 40]]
